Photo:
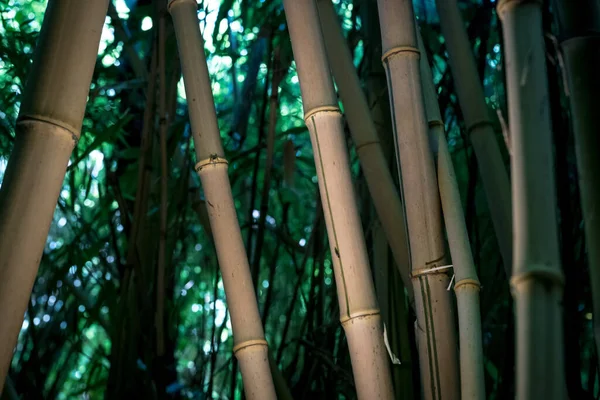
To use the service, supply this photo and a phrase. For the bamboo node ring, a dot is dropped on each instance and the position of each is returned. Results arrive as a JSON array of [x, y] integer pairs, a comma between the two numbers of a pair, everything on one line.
[[467, 281], [398, 50], [436, 122], [504, 5], [541, 273], [359, 314], [426, 271], [319, 109], [212, 160], [249, 343], [363, 145], [477, 124], [171, 2], [75, 134]]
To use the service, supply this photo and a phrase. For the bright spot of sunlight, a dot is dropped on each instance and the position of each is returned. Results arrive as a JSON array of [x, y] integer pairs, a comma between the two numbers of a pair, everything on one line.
[[146, 23]]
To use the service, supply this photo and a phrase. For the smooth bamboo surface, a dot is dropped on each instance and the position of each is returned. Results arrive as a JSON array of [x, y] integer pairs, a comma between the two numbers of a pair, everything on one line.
[[435, 321], [537, 280], [359, 312], [250, 347]]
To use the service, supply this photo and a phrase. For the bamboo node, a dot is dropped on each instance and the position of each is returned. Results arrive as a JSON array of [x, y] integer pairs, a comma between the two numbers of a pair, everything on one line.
[[366, 144], [358, 314], [249, 343], [477, 124], [212, 160], [539, 272], [319, 109], [171, 2], [467, 281], [427, 271], [436, 122], [398, 50], [40, 118], [504, 5]]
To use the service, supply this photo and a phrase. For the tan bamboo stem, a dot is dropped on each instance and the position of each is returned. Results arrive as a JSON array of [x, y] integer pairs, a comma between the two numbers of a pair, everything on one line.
[[366, 140], [47, 130], [162, 241], [250, 347], [467, 286], [479, 126], [579, 25], [435, 326], [359, 312], [537, 279]]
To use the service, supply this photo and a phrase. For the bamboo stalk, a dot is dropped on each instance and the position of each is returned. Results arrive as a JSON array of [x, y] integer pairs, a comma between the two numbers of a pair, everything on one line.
[[479, 126], [579, 27], [48, 128], [467, 286], [250, 347], [537, 280], [435, 325], [366, 140], [359, 312]]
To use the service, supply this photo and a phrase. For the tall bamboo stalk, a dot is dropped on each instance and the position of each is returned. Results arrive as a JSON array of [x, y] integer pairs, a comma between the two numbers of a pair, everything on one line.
[[48, 128], [366, 140], [537, 280], [359, 312], [467, 286], [250, 347], [479, 126], [579, 25], [436, 334]]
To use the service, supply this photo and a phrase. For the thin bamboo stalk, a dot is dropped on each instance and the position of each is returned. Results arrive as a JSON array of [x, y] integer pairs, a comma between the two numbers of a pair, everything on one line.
[[359, 312], [579, 25], [366, 140], [479, 126], [48, 128], [467, 286], [537, 279], [250, 347], [435, 325]]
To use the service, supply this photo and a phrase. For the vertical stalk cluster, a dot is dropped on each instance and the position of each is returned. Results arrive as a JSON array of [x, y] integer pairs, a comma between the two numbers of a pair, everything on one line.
[[436, 336], [48, 128], [359, 312], [479, 126], [366, 140], [537, 279], [250, 347], [467, 286], [579, 26]]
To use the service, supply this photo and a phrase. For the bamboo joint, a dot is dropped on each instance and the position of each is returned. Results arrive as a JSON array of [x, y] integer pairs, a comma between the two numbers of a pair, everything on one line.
[[359, 314], [478, 124], [539, 273], [399, 49], [505, 5], [466, 282], [212, 160], [317, 110], [29, 118], [172, 2], [249, 343]]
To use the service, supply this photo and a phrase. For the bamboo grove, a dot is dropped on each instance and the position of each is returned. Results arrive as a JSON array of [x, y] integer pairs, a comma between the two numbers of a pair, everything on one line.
[[298, 199]]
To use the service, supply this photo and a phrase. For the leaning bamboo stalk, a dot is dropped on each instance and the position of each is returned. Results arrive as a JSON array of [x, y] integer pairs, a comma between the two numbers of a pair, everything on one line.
[[435, 325], [250, 347], [537, 280], [579, 27], [48, 128], [366, 140], [359, 312], [479, 126], [467, 286]]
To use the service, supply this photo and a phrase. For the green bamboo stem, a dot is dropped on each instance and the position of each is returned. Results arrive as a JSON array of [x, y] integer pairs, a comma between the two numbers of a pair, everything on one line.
[[366, 140], [579, 27], [435, 330], [359, 312], [537, 280], [48, 128], [250, 347], [479, 126], [467, 286]]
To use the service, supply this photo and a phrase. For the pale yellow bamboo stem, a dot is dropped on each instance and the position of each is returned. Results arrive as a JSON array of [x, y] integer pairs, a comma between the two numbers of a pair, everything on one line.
[[479, 126], [358, 307], [537, 280], [48, 128], [435, 325], [250, 346], [366, 140], [467, 284]]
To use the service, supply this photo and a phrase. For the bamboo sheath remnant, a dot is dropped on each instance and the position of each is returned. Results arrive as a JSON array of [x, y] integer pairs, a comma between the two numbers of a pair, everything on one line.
[[467, 284], [250, 346], [48, 129], [479, 126], [435, 330], [364, 134], [359, 312], [537, 280]]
